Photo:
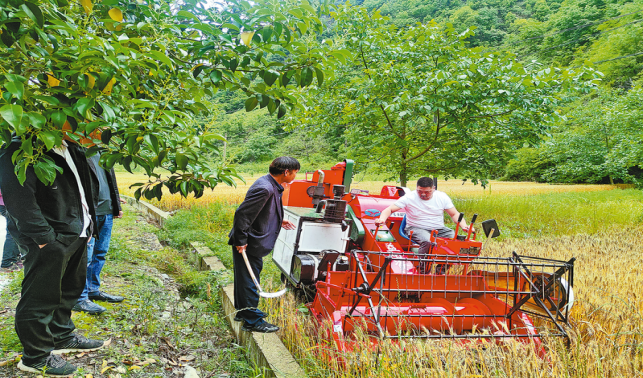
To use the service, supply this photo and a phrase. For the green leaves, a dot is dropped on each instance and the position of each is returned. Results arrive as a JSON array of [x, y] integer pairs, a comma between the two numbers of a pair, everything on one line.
[[286, 76], [102, 71], [37, 120], [282, 111], [251, 103], [341, 55], [84, 105], [417, 99], [186, 14], [153, 141], [16, 88], [320, 76], [12, 114], [306, 77], [59, 118], [215, 76], [34, 13], [48, 138], [269, 77], [161, 57], [182, 161], [106, 136], [46, 170]]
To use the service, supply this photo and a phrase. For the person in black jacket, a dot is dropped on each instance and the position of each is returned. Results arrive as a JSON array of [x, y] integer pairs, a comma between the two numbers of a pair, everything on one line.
[[256, 226], [108, 206], [52, 222]]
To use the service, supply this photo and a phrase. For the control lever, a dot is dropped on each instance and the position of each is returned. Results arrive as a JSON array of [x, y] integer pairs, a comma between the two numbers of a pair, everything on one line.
[[457, 226], [473, 220]]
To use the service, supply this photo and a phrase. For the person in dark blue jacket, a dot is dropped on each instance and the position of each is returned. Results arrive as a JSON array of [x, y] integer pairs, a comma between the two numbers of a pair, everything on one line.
[[256, 226], [107, 203]]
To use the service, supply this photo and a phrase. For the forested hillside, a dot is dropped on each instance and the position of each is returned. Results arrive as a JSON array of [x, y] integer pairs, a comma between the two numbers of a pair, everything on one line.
[[562, 32], [572, 133]]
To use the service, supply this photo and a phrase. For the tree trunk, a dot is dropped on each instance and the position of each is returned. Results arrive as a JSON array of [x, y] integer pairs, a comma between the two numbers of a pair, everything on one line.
[[225, 146], [403, 170]]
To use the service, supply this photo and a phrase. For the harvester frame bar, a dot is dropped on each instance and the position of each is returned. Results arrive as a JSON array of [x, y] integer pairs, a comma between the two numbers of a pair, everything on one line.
[[366, 289], [525, 272], [515, 266]]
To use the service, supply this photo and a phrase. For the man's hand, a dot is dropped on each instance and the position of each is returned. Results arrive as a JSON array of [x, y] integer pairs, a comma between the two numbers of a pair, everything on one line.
[[288, 225], [241, 248], [120, 214], [385, 214]]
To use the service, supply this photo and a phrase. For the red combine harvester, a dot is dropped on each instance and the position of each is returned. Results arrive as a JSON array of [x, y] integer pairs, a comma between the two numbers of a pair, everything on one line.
[[357, 274]]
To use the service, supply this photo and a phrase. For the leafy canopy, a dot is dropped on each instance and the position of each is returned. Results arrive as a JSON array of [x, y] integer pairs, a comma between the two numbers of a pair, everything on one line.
[[600, 140], [131, 77], [417, 100]]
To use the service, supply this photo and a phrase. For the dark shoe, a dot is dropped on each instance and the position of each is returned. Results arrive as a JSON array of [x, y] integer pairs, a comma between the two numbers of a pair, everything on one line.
[[78, 344], [100, 296], [263, 327], [52, 365], [238, 319], [89, 307]]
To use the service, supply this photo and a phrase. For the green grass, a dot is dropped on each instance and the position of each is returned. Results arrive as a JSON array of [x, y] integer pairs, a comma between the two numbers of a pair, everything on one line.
[[519, 217], [8, 339], [174, 321], [557, 214], [210, 225]]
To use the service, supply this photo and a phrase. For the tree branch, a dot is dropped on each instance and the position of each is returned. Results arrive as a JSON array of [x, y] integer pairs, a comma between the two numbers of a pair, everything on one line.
[[441, 169], [493, 115], [388, 120], [435, 139]]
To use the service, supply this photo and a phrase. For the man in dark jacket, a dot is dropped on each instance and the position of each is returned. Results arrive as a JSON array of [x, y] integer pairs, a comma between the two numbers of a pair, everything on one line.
[[256, 226], [53, 222], [108, 206]]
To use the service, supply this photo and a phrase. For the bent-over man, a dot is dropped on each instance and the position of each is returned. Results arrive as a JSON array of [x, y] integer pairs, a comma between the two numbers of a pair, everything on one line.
[[256, 226]]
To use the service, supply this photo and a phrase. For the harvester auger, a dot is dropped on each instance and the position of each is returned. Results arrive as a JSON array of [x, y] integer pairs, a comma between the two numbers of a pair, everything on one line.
[[355, 273]]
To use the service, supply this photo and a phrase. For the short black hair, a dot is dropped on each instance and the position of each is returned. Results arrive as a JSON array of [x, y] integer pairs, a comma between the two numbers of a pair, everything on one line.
[[280, 164], [425, 182]]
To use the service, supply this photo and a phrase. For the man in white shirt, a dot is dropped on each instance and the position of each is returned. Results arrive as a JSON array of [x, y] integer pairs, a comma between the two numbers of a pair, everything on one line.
[[425, 207]]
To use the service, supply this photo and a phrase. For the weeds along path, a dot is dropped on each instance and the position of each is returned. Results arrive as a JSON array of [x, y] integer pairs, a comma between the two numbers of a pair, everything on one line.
[[168, 321]]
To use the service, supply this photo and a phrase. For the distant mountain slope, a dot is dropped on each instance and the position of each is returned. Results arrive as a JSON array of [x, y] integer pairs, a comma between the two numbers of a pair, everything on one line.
[[567, 32]]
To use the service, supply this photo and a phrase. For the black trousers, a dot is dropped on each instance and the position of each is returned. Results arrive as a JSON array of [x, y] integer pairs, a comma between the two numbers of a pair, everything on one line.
[[54, 279], [246, 294]]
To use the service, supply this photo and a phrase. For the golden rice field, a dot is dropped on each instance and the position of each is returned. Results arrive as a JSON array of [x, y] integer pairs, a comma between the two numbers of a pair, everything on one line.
[[598, 224], [606, 328], [454, 188]]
